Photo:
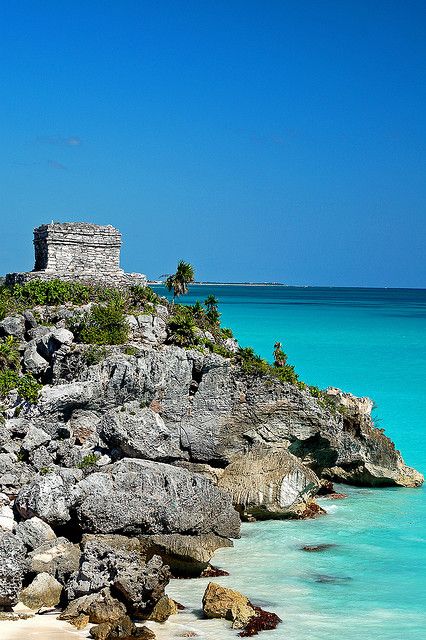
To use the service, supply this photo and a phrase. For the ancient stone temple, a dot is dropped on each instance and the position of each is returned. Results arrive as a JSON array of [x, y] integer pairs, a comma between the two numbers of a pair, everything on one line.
[[78, 251]]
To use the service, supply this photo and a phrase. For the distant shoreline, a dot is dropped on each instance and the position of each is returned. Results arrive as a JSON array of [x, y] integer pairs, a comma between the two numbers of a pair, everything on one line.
[[228, 284]]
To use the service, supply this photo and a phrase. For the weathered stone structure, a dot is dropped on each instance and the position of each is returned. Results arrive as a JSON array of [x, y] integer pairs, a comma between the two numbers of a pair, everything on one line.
[[77, 251]]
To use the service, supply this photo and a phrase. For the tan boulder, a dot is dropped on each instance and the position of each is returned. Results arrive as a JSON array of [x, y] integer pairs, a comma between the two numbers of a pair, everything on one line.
[[99, 607], [44, 591], [163, 609], [268, 482], [80, 622], [123, 628], [220, 602]]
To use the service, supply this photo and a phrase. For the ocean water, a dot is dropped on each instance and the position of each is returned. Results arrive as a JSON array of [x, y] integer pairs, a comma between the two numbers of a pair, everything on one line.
[[372, 583]]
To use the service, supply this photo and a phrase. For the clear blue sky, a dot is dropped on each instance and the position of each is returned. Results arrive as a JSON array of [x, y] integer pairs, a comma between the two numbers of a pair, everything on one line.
[[261, 140]]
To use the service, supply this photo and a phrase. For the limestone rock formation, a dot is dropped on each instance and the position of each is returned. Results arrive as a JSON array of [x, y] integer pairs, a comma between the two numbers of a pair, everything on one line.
[[144, 458], [139, 432], [144, 497], [34, 532], [12, 569], [98, 607], [46, 497], [268, 482]]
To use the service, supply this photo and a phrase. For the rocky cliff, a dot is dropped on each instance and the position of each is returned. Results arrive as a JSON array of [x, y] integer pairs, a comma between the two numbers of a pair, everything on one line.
[[137, 457]]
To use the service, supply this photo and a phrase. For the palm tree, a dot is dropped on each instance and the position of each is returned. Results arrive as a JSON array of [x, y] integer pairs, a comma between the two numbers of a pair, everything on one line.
[[280, 358], [178, 282], [211, 302], [213, 314]]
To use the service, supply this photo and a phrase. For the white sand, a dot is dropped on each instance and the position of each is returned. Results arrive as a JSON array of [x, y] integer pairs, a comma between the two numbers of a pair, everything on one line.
[[41, 627]]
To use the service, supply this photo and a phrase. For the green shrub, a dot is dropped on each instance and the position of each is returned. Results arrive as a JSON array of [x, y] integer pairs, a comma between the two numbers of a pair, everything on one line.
[[220, 350], [27, 386], [45, 470], [52, 292], [182, 328], [315, 391], [94, 355], [139, 296], [131, 351], [197, 310], [9, 353], [8, 380], [252, 363], [226, 333], [286, 373], [89, 461], [105, 324], [8, 304]]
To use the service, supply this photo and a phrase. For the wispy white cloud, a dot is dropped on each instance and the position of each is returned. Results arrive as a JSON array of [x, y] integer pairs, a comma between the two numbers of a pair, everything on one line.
[[60, 141]]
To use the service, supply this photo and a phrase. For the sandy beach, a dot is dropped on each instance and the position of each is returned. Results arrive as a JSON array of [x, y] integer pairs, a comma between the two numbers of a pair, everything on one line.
[[41, 627]]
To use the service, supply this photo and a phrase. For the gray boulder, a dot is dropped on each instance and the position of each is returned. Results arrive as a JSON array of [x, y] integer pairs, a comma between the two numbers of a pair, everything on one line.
[[59, 558], [34, 532], [53, 341], [33, 361], [12, 568], [45, 497], [141, 587], [17, 427], [140, 432], [34, 438], [13, 474], [7, 520], [13, 326], [148, 329], [187, 556], [144, 497], [118, 562]]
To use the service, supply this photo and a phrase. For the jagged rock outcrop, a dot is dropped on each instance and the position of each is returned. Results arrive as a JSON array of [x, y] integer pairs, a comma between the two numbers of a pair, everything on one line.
[[47, 498], [145, 497], [97, 607], [118, 562], [186, 555], [12, 569], [139, 432], [229, 413]]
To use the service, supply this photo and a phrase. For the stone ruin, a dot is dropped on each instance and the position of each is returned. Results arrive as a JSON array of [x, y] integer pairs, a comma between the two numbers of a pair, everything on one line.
[[78, 251]]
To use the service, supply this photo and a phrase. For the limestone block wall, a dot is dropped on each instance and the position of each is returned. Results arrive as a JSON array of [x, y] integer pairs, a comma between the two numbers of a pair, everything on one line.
[[78, 251], [79, 248]]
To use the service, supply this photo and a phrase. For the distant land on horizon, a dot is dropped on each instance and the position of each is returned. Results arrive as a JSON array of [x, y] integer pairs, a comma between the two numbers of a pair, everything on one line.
[[282, 284]]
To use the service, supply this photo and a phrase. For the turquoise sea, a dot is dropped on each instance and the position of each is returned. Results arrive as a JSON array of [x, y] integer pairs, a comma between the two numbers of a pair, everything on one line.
[[372, 584]]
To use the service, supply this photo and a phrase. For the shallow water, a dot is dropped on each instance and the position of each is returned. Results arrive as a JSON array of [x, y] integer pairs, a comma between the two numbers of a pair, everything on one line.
[[372, 583]]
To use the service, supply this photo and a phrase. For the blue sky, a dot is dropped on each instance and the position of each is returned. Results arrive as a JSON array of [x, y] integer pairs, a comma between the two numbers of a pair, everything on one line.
[[261, 140]]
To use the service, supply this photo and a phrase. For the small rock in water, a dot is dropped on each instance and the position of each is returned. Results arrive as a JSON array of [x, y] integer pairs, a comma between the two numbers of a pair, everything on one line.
[[262, 621], [213, 572], [312, 548], [326, 579]]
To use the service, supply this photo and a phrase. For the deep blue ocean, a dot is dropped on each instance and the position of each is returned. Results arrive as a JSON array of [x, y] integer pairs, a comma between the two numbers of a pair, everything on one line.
[[372, 584]]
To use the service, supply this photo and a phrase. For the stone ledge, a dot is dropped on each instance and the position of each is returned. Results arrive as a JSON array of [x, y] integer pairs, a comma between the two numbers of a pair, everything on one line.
[[118, 279]]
